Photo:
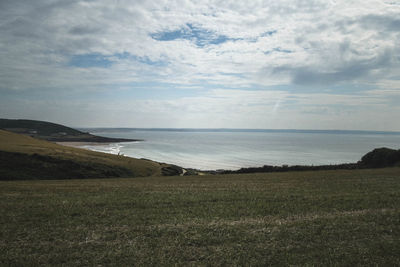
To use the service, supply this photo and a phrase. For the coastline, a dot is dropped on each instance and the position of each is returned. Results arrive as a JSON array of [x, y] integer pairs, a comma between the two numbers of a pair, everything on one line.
[[89, 138], [378, 158], [109, 148], [81, 143]]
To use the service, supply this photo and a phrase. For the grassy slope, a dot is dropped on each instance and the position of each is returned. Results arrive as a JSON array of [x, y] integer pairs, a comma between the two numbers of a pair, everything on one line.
[[53, 132], [59, 161], [337, 217], [45, 128]]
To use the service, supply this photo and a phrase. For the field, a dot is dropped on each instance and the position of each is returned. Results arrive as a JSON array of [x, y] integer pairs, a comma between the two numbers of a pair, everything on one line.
[[340, 217]]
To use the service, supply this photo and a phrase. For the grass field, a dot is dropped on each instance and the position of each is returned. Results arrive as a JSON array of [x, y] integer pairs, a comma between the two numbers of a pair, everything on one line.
[[303, 218]]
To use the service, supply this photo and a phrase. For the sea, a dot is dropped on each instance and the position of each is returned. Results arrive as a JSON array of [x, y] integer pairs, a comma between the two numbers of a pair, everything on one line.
[[232, 149]]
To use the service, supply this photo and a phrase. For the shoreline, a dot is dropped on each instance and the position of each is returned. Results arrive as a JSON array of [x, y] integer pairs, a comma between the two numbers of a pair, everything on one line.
[[90, 139], [81, 143], [377, 158], [91, 143]]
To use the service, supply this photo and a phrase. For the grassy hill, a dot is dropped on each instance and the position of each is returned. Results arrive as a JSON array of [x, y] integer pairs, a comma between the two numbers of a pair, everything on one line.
[[24, 157], [44, 128], [318, 218], [53, 132]]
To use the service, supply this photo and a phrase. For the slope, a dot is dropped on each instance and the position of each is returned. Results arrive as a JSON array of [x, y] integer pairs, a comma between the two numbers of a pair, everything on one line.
[[24, 157]]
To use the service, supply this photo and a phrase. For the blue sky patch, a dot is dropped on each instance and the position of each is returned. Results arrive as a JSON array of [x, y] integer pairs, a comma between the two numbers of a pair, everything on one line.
[[90, 61], [279, 50], [145, 59], [102, 61], [200, 36]]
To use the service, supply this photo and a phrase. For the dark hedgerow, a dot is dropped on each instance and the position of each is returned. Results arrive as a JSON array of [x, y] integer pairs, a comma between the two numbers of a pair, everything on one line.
[[381, 157]]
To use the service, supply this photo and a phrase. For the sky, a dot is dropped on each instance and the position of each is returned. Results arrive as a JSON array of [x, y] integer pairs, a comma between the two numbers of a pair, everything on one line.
[[202, 64]]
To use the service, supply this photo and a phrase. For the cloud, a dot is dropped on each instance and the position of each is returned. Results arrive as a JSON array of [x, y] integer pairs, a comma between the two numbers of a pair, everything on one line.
[[381, 22], [218, 108], [85, 30], [200, 40], [345, 71], [134, 46]]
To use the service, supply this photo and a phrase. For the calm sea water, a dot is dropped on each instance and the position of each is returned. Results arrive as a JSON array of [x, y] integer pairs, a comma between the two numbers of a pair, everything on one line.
[[222, 149]]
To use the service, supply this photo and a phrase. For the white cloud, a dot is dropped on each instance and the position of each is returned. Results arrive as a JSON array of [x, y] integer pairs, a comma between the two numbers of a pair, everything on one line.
[[268, 43]]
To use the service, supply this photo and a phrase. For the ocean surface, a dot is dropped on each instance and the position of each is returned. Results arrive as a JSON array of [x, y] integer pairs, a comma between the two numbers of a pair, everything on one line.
[[212, 149]]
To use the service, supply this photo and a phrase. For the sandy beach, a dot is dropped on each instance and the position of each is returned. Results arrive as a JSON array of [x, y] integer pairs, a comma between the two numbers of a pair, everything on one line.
[[81, 144]]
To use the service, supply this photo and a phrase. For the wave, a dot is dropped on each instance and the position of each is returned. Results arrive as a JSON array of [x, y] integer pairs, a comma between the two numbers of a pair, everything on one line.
[[114, 148]]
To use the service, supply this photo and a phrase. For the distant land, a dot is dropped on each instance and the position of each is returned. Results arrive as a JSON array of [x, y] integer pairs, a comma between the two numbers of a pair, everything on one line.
[[59, 133], [54, 132], [110, 129]]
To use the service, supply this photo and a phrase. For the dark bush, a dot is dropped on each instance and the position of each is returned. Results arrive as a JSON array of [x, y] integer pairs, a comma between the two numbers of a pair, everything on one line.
[[381, 157]]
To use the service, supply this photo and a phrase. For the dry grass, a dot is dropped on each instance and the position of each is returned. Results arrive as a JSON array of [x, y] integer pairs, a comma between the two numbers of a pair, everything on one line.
[[299, 218]]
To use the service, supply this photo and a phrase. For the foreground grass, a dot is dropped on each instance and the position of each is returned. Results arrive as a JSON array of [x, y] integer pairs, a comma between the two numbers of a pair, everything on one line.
[[305, 218]]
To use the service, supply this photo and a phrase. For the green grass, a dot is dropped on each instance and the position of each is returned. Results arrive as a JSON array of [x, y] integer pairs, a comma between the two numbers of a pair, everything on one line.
[[23, 157], [298, 218]]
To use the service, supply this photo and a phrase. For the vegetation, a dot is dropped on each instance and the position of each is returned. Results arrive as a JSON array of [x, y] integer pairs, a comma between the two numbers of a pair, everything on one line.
[[23, 157], [45, 128], [54, 132], [341, 217], [378, 158]]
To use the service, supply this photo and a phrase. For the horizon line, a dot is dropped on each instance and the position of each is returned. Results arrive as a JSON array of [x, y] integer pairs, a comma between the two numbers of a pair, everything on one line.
[[244, 130]]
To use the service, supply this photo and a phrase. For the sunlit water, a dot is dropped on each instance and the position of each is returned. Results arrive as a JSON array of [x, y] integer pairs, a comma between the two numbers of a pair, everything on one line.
[[211, 150]]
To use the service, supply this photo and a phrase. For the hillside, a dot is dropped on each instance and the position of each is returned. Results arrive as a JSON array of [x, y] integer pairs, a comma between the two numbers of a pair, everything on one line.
[[24, 157], [54, 132]]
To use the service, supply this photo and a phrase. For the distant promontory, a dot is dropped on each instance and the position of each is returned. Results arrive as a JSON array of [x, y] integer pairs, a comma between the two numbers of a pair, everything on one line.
[[55, 132]]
